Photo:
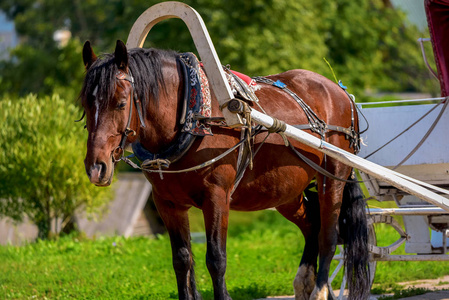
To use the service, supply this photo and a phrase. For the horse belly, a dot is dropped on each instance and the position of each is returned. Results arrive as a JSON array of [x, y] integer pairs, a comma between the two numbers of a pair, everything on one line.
[[269, 189]]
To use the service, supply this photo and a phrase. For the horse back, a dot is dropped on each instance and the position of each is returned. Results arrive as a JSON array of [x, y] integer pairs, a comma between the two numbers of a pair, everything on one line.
[[279, 176], [327, 99]]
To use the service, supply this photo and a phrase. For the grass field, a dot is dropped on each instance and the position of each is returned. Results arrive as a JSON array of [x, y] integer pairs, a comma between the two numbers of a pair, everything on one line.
[[263, 254]]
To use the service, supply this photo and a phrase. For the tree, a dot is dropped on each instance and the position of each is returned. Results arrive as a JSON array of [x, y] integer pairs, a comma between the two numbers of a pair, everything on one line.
[[368, 42], [372, 45], [42, 174], [43, 71]]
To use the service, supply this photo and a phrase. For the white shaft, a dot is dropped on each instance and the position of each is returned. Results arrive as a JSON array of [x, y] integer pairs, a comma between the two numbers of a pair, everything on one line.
[[379, 172]]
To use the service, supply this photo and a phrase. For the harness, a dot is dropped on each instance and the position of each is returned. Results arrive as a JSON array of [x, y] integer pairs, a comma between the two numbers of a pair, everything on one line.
[[156, 162], [315, 124], [196, 107]]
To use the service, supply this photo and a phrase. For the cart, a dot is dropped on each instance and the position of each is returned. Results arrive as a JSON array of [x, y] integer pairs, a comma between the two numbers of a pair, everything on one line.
[[418, 186], [410, 137]]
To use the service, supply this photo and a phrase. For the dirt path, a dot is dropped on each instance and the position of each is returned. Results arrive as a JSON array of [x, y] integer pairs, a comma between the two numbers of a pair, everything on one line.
[[432, 284], [437, 285]]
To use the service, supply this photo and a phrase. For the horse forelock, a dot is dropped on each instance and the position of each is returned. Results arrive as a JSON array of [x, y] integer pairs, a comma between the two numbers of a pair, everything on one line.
[[145, 65], [100, 83]]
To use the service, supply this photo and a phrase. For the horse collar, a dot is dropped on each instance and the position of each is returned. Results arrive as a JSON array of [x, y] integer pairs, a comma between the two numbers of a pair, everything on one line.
[[196, 102]]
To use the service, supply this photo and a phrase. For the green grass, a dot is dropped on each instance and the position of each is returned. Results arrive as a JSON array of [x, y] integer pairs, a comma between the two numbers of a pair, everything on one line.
[[263, 254]]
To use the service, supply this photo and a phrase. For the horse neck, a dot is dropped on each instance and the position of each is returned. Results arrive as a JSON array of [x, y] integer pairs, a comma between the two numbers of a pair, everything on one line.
[[162, 116]]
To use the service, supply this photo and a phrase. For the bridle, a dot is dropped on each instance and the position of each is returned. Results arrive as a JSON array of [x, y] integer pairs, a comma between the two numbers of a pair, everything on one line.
[[118, 153]]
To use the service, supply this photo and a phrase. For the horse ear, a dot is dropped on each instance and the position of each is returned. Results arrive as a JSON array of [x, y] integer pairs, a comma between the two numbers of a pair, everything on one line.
[[89, 56], [121, 55]]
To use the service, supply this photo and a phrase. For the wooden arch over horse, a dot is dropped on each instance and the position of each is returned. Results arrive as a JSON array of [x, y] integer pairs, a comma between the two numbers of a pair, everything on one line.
[[117, 85]]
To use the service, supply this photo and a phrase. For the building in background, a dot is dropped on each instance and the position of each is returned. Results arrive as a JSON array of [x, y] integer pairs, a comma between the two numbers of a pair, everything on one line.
[[414, 10], [8, 36], [130, 213], [62, 37]]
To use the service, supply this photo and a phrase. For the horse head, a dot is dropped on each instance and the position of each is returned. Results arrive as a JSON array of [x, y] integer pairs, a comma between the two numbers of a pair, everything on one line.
[[107, 99]]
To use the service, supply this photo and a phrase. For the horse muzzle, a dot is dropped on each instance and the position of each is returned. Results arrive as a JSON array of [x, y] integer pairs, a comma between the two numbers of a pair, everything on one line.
[[99, 174]]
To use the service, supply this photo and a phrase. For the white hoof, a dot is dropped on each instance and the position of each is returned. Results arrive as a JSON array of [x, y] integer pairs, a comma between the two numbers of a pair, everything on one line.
[[320, 294], [304, 282]]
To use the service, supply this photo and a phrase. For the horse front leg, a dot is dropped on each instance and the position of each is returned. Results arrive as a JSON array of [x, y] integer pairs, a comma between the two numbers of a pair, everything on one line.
[[176, 221], [216, 213]]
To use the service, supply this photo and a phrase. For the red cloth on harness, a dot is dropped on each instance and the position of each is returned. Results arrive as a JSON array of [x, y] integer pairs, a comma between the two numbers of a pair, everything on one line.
[[249, 81]]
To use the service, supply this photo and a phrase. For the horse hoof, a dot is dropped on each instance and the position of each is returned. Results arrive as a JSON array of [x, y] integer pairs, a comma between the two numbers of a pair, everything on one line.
[[302, 296], [320, 294], [304, 282]]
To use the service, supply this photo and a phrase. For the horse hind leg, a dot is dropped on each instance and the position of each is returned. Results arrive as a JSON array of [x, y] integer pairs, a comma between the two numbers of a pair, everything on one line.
[[330, 199], [304, 281], [353, 230], [305, 214]]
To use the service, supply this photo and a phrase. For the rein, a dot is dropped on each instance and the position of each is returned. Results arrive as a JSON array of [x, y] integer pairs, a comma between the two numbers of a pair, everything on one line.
[[160, 162], [118, 153]]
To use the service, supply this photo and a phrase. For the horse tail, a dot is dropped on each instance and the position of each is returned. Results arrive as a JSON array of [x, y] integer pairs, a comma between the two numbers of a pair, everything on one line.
[[354, 232]]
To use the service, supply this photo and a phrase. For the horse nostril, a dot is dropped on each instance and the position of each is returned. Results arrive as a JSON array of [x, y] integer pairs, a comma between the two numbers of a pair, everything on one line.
[[102, 169], [97, 172]]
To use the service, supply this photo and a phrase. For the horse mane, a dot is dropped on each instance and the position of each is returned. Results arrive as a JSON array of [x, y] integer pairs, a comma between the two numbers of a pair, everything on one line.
[[145, 66]]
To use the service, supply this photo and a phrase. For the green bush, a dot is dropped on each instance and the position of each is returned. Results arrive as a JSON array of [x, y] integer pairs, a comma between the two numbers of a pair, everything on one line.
[[42, 173]]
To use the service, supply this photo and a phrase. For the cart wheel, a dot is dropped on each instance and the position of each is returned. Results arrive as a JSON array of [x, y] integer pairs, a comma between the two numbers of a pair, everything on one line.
[[339, 269]]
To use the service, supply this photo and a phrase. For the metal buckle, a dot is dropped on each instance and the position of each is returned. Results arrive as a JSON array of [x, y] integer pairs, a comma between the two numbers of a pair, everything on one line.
[[129, 131], [117, 154]]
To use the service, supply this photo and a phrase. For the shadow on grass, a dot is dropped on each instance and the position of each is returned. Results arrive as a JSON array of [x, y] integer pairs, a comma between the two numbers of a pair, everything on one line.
[[409, 292], [250, 292], [172, 296]]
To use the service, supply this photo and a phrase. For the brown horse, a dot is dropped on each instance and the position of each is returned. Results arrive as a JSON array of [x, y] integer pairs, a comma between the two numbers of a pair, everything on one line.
[[277, 179]]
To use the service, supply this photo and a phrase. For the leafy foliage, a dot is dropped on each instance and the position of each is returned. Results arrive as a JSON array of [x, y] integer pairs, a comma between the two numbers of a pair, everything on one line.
[[43, 71], [368, 42], [41, 169]]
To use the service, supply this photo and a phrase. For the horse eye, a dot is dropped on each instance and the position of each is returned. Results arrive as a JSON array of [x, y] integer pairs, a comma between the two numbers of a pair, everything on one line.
[[121, 105]]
